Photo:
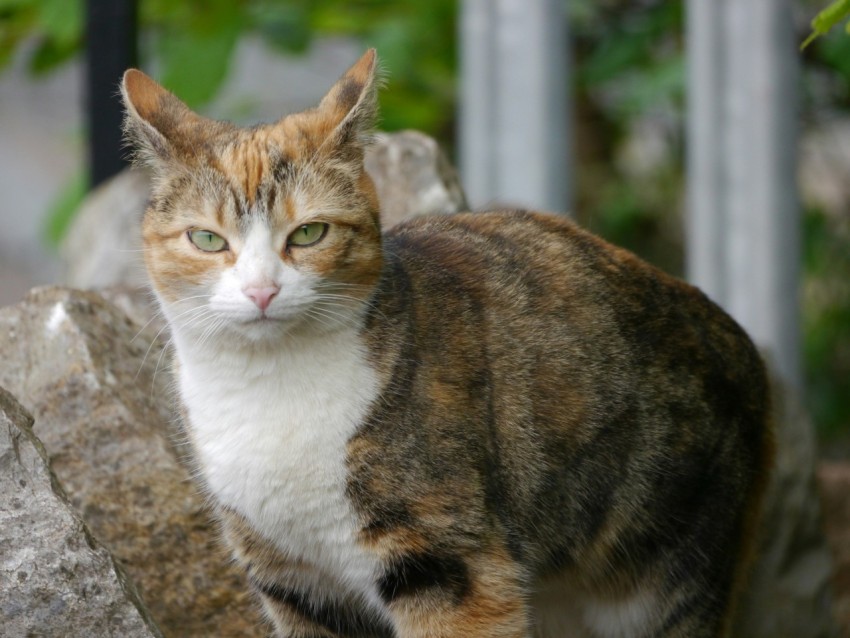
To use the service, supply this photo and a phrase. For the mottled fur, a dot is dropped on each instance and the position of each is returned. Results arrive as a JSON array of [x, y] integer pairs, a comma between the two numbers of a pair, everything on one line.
[[490, 424]]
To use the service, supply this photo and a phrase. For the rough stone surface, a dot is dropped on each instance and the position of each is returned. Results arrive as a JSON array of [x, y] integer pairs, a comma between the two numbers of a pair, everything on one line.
[[789, 594], [103, 245], [412, 177], [55, 578], [99, 389]]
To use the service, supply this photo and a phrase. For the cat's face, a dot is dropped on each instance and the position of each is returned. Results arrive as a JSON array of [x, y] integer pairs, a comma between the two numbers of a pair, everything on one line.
[[264, 231]]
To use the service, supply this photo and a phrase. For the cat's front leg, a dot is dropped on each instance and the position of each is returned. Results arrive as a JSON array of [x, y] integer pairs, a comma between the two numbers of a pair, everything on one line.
[[295, 616], [288, 620], [296, 599], [440, 595]]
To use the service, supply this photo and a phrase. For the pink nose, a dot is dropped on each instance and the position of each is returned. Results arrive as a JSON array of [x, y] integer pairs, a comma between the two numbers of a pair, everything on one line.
[[261, 296]]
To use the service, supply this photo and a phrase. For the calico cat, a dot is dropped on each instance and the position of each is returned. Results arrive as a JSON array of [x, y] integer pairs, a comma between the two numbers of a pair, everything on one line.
[[476, 425]]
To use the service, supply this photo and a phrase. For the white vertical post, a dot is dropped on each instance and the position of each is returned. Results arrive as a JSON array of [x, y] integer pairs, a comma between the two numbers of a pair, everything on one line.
[[476, 119], [743, 226], [705, 249], [514, 120]]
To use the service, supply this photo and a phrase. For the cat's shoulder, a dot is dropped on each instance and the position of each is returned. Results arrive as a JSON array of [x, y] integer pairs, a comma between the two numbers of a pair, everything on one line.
[[482, 232], [512, 238], [502, 222]]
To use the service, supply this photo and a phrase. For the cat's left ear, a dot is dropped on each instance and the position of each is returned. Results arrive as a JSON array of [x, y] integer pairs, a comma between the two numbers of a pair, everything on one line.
[[160, 127], [350, 108]]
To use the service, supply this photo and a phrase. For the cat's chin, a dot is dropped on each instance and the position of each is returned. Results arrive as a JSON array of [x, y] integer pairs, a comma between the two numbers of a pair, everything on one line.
[[271, 329], [264, 328]]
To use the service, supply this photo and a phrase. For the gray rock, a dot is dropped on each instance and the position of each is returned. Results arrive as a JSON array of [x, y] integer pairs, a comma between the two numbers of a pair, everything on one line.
[[98, 386], [55, 578], [412, 177], [103, 244]]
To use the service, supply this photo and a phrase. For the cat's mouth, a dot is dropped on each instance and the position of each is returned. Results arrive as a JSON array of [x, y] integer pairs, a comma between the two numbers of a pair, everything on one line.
[[268, 321], [263, 319], [262, 327]]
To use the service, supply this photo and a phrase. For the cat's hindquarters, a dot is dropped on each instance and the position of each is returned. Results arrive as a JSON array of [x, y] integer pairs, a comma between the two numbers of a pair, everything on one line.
[[563, 610]]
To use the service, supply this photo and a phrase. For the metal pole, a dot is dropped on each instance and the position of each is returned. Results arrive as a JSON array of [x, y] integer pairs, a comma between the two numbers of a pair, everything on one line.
[[705, 254], [477, 157], [514, 106], [775, 196], [743, 213], [110, 50]]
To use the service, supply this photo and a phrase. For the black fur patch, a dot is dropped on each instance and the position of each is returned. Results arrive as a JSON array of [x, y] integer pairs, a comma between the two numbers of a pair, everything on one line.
[[340, 620], [417, 572], [281, 169]]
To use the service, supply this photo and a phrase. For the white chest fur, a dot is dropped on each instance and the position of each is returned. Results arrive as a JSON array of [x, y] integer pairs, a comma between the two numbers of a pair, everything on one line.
[[270, 430]]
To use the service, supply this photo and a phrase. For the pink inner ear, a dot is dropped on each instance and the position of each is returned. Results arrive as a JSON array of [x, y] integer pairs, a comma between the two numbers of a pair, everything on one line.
[[143, 93]]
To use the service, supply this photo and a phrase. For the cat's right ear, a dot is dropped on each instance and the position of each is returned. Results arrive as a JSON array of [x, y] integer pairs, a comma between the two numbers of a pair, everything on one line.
[[155, 119]]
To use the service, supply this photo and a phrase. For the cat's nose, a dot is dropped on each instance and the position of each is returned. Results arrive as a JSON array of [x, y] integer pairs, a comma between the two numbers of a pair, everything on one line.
[[261, 295]]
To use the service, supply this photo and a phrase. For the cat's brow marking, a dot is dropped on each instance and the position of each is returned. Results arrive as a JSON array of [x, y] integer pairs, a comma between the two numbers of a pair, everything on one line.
[[246, 163]]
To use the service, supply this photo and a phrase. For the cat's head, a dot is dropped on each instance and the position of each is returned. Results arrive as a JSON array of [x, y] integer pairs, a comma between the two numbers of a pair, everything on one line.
[[262, 231]]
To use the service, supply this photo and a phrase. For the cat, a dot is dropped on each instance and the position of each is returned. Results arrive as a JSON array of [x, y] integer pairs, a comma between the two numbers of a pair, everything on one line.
[[488, 424]]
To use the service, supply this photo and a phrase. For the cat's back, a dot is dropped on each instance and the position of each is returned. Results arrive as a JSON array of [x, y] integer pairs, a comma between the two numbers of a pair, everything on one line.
[[529, 254], [549, 303], [605, 393], [532, 270]]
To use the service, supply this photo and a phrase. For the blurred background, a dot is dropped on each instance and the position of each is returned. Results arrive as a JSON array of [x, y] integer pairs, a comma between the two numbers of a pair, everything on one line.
[[254, 60]]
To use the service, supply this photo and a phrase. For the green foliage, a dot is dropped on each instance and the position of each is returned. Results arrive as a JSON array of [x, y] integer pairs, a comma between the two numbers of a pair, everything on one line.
[[635, 57], [834, 55], [629, 65], [826, 317], [824, 21], [56, 25], [194, 40], [416, 42]]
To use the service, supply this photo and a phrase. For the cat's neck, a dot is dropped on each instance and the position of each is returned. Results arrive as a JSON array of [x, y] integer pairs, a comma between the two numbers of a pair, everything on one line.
[[324, 384]]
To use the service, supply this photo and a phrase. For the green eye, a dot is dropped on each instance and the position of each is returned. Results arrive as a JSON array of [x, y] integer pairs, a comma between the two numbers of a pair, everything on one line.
[[308, 234], [207, 241]]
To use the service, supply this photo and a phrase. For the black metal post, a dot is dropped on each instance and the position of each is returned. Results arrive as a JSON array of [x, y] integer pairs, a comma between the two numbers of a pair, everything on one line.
[[110, 49]]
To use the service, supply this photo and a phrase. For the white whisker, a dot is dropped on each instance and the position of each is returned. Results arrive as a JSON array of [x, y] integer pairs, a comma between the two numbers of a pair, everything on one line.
[[158, 362]]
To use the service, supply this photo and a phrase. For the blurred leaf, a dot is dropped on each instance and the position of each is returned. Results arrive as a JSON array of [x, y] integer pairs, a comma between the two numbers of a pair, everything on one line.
[[6, 6], [823, 22], [286, 27], [61, 20], [17, 20], [610, 59], [835, 53], [166, 12], [49, 54], [580, 12], [826, 317], [662, 82], [196, 56]]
